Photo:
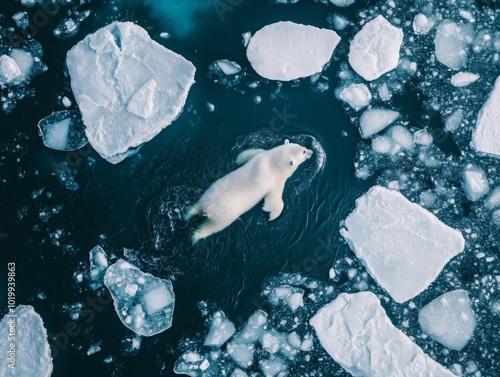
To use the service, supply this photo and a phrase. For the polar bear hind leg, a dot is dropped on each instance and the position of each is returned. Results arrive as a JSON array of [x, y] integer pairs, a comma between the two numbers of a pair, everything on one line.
[[247, 155], [193, 211], [273, 203], [207, 228]]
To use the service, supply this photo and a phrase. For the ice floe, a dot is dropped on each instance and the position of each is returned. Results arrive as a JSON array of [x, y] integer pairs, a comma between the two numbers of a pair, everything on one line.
[[449, 319], [452, 42], [356, 95], [403, 246], [31, 357], [373, 121], [375, 48], [287, 51], [356, 332], [221, 330], [127, 86], [63, 131], [143, 302], [463, 79], [475, 182], [486, 136]]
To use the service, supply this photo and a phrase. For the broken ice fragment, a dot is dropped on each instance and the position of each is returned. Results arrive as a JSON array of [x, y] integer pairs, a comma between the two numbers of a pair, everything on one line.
[[449, 319], [356, 95], [463, 79], [150, 309], [403, 246], [63, 131], [486, 136], [98, 267], [475, 182], [221, 329], [452, 42], [287, 51], [228, 67], [31, 355], [422, 24], [373, 121], [375, 48], [356, 332], [9, 70], [127, 86]]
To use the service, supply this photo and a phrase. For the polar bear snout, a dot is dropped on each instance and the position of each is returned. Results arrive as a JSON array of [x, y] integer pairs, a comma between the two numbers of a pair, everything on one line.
[[309, 154]]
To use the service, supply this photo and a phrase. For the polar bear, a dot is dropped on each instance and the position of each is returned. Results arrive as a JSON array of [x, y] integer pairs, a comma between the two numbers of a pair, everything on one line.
[[262, 175]]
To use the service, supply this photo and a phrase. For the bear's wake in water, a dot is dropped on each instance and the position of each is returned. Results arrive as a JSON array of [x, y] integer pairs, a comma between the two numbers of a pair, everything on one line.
[[262, 176]]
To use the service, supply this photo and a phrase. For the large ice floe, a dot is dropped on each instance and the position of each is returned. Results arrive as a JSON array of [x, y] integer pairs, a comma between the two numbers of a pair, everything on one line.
[[356, 332], [127, 86], [375, 49], [143, 302], [449, 319], [486, 136], [31, 356], [403, 246], [287, 51]]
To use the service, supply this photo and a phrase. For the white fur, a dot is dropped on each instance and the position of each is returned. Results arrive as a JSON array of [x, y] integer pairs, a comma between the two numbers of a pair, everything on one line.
[[262, 176]]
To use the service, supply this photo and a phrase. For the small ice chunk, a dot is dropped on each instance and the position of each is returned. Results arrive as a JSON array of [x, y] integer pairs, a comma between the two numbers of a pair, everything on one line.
[[375, 48], [254, 328], [24, 61], [475, 182], [451, 43], [63, 131], [9, 70], [340, 22], [373, 121], [357, 333], [463, 79], [228, 67], [384, 92], [356, 95], [287, 51], [494, 199], [238, 373], [66, 102], [31, 355], [449, 319], [342, 3], [486, 136], [496, 218], [292, 295], [149, 311], [127, 86], [454, 120], [98, 267], [246, 38], [422, 137], [241, 353], [221, 329], [403, 246], [401, 136], [382, 144], [422, 24], [273, 367]]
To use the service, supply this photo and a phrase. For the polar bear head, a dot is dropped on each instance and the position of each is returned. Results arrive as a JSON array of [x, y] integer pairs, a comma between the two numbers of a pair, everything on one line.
[[289, 156]]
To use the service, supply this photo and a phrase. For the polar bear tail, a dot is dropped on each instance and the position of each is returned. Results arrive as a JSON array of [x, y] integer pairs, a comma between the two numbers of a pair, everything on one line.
[[247, 155], [193, 211]]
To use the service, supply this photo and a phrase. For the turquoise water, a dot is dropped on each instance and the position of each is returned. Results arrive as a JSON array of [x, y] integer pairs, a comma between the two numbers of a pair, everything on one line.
[[134, 209]]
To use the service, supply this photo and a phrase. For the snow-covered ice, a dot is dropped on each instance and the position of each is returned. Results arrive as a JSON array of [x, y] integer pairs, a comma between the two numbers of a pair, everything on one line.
[[373, 121], [63, 131], [9, 70], [403, 246], [449, 319], [422, 24], [143, 302], [32, 351], [452, 42], [287, 51], [463, 79], [356, 332], [486, 136], [356, 95], [127, 86], [98, 267], [221, 329], [475, 182], [375, 48]]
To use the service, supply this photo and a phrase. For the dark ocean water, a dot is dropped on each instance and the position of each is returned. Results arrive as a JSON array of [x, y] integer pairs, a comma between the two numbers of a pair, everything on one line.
[[136, 204]]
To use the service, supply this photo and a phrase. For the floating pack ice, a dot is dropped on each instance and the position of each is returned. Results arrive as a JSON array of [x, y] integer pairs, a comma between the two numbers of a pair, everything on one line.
[[287, 51], [373, 121], [98, 267], [486, 136], [375, 48], [32, 350], [403, 246], [356, 332], [127, 86], [449, 319], [451, 43], [63, 131], [143, 302]]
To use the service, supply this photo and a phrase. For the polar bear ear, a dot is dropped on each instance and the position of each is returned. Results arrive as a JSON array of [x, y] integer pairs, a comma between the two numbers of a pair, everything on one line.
[[292, 163], [287, 141]]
